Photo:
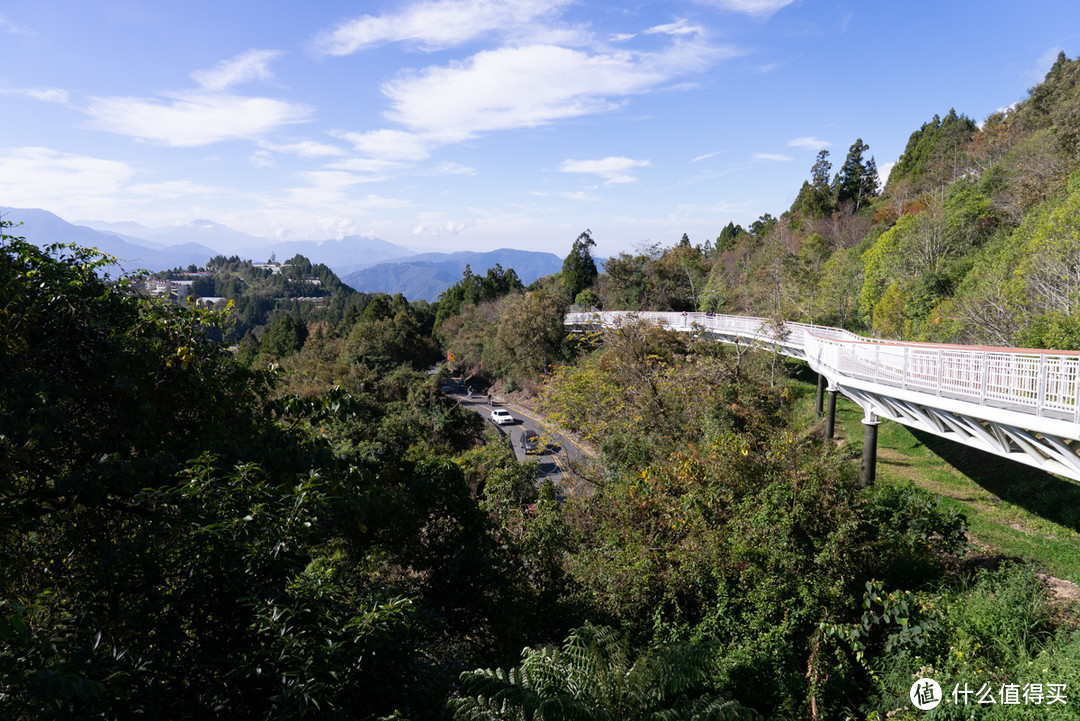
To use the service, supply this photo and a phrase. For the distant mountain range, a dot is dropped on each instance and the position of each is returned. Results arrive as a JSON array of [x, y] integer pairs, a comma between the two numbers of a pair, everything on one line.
[[365, 263], [425, 276]]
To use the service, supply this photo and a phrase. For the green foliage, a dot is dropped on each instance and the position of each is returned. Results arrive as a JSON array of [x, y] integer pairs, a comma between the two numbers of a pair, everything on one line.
[[857, 181], [933, 150], [285, 336], [728, 237], [516, 337], [473, 290], [103, 392], [914, 531], [579, 268], [594, 677], [881, 262], [997, 630]]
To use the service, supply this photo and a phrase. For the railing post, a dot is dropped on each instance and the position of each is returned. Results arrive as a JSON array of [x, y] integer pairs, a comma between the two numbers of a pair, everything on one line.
[[984, 379], [940, 368], [877, 362], [903, 370], [1040, 386]]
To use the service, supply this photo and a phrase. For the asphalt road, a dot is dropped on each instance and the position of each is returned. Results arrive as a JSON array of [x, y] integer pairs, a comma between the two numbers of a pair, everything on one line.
[[556, 452]]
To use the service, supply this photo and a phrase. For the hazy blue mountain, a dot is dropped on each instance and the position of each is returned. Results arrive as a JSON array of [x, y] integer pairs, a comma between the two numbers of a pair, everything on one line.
[[346, 255], [198, 241], [360, 261], [42, 228], [222, 238], [426, 276], [343, 255]]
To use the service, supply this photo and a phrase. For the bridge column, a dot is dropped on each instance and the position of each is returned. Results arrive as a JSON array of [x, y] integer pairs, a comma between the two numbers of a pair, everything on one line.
[[869, 449], [830, 415], [820, 394]]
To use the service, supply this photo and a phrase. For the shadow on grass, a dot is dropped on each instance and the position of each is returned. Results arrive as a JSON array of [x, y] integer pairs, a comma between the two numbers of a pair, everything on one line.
[[1038, 492]]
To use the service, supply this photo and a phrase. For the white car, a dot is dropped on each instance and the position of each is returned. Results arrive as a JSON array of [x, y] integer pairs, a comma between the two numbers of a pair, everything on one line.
[[501, 416]]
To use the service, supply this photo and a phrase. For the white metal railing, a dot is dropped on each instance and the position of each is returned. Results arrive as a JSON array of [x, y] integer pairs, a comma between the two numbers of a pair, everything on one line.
[[1044, 383]]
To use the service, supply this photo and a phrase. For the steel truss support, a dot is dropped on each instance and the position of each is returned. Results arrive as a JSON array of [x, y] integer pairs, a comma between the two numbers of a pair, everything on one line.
[[1044, 451]]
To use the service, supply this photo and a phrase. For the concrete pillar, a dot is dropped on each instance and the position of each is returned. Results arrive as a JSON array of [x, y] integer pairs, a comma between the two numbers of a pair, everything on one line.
[[830, 413], [869, 449], [820, 395]]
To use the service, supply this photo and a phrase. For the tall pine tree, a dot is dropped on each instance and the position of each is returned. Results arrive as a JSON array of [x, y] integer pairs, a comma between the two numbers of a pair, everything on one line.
[[857, 180]]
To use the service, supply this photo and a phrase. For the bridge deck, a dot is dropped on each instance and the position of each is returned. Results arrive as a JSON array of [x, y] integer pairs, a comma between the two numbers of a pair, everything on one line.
[[1019, 403]]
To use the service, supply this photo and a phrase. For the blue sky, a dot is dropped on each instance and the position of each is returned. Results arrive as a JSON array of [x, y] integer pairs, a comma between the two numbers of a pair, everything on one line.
[[475, 124]]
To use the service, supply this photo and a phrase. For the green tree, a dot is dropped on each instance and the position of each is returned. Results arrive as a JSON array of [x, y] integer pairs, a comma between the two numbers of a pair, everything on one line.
[[817, 198], [285, 336], [728, 236], [857, 181], [579, 268]]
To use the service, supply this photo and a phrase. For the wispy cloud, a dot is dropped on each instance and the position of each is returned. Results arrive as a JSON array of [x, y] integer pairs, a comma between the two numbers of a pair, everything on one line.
[[388, 144], [756, 8], [436, 24], [9, 28], [305, 149], [332, 190], [809, 142], [612, 169], [250, 65], [191, 119], [679, 27], [772, 157], [706, 156], [1044, 63], [38, 177], [46, 95]]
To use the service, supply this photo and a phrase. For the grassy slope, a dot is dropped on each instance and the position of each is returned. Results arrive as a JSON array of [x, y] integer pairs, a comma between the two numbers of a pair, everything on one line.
[[1013, 510]]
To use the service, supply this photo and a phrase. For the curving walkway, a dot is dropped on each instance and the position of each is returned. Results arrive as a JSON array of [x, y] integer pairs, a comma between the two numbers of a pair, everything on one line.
[[1017, 403]]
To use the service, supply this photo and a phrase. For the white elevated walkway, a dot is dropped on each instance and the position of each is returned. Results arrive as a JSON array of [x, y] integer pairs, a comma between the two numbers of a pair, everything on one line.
[[1017, 403]]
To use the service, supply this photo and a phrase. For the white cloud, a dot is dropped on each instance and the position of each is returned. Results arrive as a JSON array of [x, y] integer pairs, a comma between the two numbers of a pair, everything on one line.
[[172, 189], [306, 149], [389, 144], [47, 95], [251, 65], [263, 158], [436, 24], [448, 168], [1044, 63], [331, 190], [706, 156], [449, 227], [190, 119], [757, 8], [883, 172], [771, 157], [35, 177], [530, 86], [367, 166], [679, 27], [611, 169], [809, 142]]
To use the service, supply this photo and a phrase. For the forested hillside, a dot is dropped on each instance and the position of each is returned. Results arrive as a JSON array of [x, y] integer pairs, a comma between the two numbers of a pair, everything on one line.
[[307, 526], [973, 239]]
